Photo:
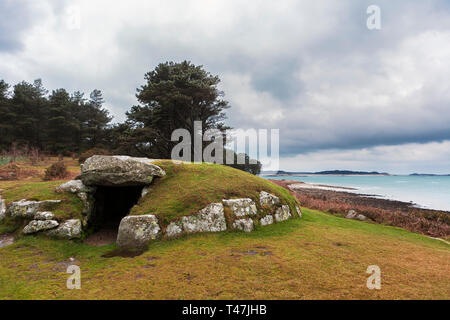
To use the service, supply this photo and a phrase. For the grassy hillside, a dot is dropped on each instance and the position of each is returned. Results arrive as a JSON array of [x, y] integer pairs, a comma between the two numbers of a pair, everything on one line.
[[187, 188], [318, 257], [70, 207]]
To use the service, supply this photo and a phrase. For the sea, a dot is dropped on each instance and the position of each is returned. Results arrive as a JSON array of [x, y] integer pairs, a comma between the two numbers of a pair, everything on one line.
[[430, 192]]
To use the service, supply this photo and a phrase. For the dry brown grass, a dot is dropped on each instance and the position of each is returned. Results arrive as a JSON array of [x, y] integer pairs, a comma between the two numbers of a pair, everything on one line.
[[28, 169], [13, 171], [318, 257]]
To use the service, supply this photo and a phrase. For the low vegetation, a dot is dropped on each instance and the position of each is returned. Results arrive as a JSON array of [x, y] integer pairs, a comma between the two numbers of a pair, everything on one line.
[[318, 257], [187, 188], [56, 171], [70, 207], [432, 223]]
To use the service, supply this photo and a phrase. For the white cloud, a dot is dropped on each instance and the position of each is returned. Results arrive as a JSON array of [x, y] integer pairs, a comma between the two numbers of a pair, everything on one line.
[[311, 69]]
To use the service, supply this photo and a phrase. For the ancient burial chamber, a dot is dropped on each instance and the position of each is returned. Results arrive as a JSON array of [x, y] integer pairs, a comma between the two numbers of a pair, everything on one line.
[[109, 187], [138, 231]]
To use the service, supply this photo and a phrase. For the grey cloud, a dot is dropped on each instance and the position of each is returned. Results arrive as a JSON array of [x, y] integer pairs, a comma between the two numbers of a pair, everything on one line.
[[311, 69], [15, 18]]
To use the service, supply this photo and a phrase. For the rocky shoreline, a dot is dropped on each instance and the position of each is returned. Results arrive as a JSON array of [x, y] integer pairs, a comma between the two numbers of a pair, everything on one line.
[[338, 200], [332, 193]]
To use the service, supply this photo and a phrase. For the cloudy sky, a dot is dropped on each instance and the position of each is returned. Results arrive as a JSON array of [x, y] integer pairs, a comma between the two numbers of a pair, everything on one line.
[[343, 96]]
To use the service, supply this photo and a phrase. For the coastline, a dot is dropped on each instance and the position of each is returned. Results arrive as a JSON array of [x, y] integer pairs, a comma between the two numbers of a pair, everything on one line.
[[430, 193], [345, 194], [339, 200]]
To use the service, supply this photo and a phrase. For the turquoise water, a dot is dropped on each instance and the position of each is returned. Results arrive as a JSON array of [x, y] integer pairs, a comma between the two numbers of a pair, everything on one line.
[[426, 192]]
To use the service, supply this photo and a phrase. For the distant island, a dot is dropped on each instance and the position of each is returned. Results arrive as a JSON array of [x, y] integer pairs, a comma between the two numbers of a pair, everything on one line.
[[429, 175], [328, 172]]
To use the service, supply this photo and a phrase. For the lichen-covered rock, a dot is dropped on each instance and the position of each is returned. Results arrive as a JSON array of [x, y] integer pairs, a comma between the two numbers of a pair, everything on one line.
[[174, 229], [88, 205], [70, 229], [119, 171], [27, 209], [74, 186], [209, 219], [243, 224], [282, 214], [145, 191], [267, 199], [352, 214], [299, 212], [137, 231], [241, 207], [361, 217], [266, 220], [85, 193], [2, 208], [44, 215], [39, 225]]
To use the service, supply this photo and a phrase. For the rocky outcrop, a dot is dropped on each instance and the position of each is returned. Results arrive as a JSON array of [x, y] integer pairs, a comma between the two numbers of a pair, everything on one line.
[[46, 215], [209, 219], [39, 225], [282, 214], [267, 220], [174, 229], [268, 200], [137, 231], [28, 209], [74, 186], [243, 225], [241, 207], [352, 214], [145, 191], [119, 171], [85, 193], [70, 229]]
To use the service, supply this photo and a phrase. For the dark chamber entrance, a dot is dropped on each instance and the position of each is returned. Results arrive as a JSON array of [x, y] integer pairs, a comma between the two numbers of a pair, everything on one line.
[[112, 204]]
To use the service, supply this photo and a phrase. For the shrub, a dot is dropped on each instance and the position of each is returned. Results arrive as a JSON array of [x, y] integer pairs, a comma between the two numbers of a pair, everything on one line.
[[56, 171], [10, 171], [92, 152]]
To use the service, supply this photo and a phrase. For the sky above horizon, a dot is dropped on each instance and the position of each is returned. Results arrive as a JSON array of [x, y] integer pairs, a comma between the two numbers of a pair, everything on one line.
[[343, 96]]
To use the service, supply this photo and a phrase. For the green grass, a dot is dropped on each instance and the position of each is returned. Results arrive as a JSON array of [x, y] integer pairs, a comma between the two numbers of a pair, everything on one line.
[[70, 207], [188, 188], [318, 257], [4, 160]]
